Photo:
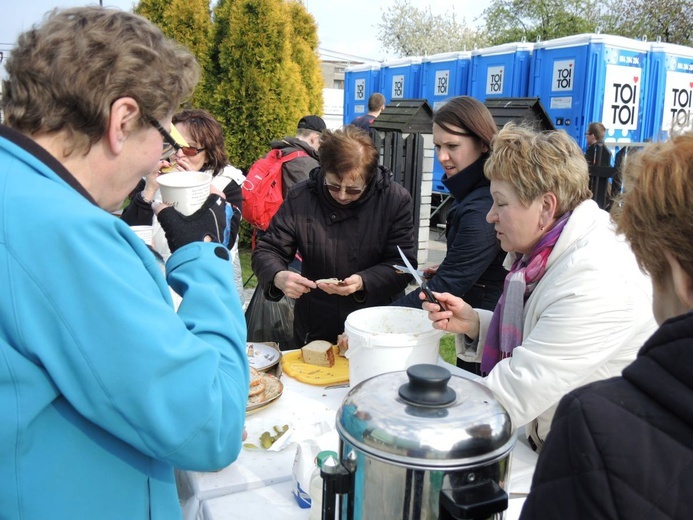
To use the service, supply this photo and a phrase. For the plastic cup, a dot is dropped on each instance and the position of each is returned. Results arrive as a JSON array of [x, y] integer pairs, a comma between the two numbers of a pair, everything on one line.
[[185, 191], [144, 232]]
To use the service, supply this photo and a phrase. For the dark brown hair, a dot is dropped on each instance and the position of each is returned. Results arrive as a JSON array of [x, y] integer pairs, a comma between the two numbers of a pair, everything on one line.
[[598, 130], [208, 134], [469, 114], [348, 153]]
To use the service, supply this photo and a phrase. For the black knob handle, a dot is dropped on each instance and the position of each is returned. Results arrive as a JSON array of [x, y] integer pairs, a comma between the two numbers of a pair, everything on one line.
[[427, 386]]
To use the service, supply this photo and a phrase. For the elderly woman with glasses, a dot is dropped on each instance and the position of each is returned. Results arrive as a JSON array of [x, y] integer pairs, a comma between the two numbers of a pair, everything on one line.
[[346, 222], [575, 306]]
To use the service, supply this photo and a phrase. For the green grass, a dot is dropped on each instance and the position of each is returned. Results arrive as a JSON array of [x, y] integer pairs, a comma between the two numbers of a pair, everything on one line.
[[447, 348], [244, 253], [447, 342]]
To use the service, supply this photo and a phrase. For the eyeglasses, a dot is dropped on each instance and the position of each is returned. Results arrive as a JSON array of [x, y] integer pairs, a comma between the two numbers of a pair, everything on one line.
[[170, 145], [191, 151], [350, 190]]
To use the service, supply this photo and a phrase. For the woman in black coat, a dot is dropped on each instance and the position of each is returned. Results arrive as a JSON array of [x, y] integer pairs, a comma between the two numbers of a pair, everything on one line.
[[623, 448], [346, 222], [473, 265]]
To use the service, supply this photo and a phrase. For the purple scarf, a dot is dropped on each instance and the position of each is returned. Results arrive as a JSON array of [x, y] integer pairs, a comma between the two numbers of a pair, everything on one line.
[[505, 329]]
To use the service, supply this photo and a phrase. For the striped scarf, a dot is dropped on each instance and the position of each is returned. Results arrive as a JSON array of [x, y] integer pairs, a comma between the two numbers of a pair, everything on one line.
[[505, 330]]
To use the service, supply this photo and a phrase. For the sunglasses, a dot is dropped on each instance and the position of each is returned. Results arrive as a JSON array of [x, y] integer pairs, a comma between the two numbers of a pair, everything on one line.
[[170, 145], [336, 188]]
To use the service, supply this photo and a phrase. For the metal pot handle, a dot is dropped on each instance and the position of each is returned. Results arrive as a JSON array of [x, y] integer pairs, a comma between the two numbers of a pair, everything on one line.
[[336, 480], [476, 501]]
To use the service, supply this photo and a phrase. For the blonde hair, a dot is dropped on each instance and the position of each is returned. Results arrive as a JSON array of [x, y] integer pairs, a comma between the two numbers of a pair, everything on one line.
[[537, 163], [65, 73], [655, 210]]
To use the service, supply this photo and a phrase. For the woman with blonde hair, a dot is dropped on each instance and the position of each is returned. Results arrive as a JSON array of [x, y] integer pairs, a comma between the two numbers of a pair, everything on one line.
[[575, 307], [622, 448]]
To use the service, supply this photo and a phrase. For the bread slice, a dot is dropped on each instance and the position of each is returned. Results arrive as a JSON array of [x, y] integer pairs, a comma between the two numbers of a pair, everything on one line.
[[318, 353]]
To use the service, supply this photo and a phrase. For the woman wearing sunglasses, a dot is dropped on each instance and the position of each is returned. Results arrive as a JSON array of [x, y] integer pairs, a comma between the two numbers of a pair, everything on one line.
[[346, 220], [197, 144]]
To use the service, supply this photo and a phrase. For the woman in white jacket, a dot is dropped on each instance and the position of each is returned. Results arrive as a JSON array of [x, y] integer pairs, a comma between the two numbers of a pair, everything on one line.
[[575, 306], [201, 148]]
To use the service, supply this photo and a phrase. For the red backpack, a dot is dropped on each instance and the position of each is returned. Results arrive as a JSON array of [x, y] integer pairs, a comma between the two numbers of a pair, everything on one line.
[[262, 187]]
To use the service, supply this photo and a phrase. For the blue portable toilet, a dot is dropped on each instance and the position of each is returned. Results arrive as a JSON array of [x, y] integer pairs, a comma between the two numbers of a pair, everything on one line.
[[670, 90], [592, 77], [444, 76], [500, 71], [360, 81], [401, 79]]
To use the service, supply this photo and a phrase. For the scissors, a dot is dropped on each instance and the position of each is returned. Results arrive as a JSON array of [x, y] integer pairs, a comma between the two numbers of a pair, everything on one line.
[[422, 283]]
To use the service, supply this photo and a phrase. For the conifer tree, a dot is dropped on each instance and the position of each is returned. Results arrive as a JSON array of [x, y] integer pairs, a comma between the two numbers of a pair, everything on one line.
[[188, 22], [305, 47], [258, 92]]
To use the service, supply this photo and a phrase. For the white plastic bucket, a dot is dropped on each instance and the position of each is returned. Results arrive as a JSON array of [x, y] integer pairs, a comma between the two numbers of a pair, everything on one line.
[[387, 339]]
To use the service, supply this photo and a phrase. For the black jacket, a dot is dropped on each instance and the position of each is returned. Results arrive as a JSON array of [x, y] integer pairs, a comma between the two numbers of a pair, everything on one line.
[[298, 169], [338, 241], [598, 154], [623, 448], [473, 265]]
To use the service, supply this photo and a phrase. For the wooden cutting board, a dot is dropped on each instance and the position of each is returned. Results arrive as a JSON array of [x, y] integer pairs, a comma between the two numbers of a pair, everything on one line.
[[293, 365]]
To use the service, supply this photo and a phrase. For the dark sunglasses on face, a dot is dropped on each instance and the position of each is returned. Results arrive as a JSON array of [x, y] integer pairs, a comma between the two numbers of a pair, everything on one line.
[[336, 188], [170, 145]]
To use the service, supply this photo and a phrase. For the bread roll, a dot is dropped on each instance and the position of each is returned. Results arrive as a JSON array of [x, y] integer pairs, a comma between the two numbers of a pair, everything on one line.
[[318, 353]]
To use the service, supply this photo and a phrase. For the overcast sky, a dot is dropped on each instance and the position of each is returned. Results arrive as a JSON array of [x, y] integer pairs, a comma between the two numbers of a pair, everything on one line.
[[346, 26]]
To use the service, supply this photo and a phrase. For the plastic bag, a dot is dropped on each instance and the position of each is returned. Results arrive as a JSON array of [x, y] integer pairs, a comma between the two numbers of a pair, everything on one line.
[[271, 321]]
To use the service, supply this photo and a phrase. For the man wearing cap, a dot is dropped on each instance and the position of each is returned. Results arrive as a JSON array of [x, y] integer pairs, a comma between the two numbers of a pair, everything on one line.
[[307, 140]]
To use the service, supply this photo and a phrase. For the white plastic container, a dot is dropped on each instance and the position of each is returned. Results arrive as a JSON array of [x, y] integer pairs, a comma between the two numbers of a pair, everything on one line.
[[185, 191], [387, 339]]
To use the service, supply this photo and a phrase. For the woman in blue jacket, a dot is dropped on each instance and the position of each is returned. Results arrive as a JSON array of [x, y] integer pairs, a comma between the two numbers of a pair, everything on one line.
[[104, 388], [473, 265]]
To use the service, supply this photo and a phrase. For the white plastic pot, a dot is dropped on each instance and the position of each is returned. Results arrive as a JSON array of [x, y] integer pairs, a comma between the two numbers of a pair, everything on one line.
[[387, 339]]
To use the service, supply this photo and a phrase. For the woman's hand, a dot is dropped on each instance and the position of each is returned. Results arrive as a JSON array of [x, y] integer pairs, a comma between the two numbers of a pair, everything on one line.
[[293, 284], [459, 317], [342, 343], [430, 272], [152, 181], [349, 286]]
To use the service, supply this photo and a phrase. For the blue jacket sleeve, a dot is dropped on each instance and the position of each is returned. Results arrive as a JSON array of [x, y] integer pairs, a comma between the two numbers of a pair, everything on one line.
[[97, 316]]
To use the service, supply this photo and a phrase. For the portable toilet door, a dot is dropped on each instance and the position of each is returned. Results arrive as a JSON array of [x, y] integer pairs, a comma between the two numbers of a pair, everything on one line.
[[500, 71], [670, 90], [401, 79], [592, 78], [444, 76], [360, 82]]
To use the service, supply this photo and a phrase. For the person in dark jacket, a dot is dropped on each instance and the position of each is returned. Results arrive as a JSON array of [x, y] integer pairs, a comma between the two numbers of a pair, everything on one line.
[[597, 152], [376, 104], [623, 448], [347, 220], [202, 149], [473, 265], [307, 140]]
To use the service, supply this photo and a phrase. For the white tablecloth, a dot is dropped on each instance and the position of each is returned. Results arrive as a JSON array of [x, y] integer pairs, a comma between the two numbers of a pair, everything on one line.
[[259, 482]]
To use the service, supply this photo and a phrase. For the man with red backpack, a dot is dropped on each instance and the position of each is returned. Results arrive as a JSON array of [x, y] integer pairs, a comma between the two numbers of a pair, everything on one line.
[[307, 140], [264, 188]]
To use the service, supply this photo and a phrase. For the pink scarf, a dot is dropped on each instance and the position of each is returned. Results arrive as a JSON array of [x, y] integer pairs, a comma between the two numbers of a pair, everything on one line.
[[505, 329]]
